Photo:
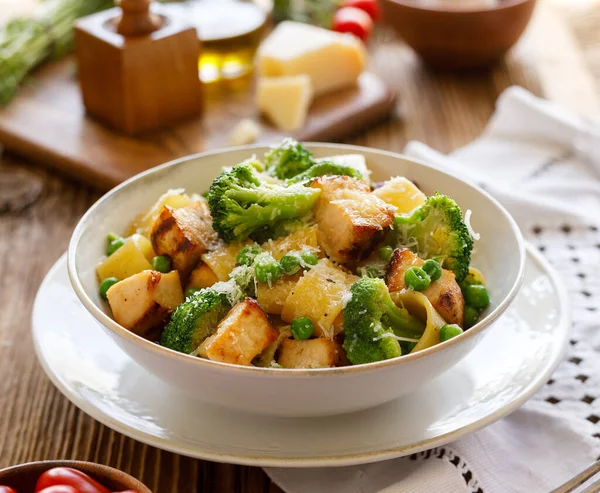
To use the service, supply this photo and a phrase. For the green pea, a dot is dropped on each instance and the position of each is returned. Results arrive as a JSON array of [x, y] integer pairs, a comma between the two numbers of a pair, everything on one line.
[[290, 264], [114, 245], [247, 254], [417, 279], [106, 285], [385, 253], [477, 296], [267, 269], [433, 269], [471, 316], [309, 258], [112, 237], [162, 263], [449, 331], [302, 328], [191, 292]]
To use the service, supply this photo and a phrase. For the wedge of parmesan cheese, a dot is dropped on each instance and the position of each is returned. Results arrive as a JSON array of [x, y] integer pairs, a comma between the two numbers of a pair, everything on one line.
[[285, 100], [331, 60]]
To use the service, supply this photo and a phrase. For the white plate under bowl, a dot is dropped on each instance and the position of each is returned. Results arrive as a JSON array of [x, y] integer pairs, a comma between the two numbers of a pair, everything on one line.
[[515, 358]]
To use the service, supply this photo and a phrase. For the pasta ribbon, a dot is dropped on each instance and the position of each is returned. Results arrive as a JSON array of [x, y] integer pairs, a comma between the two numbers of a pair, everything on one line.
[[419, 306]]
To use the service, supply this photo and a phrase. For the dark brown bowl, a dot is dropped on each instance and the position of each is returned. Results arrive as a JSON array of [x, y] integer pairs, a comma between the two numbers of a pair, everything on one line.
[[459, 39], [24, 476]]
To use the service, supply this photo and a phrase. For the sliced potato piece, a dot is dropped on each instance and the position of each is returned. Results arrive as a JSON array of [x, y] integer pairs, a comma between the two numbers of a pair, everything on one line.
[[183, 234], [475, 276], [319, 295], [312, 353], [133, 257], [143, 223], [273, 298], [202, 277], [222, 259], [241, 336], [444, 294], [143, 301], [401, 193], [304, 239], [351, 220]]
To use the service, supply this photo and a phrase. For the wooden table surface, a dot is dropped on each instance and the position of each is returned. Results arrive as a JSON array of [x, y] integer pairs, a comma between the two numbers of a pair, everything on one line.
[[559, 58]]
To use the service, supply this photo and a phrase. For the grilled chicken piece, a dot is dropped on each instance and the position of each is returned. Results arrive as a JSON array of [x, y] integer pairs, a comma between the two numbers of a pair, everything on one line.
[[243, 334], [312, 353], [143, 301], [183, 234], [350, 218], [444, 294]]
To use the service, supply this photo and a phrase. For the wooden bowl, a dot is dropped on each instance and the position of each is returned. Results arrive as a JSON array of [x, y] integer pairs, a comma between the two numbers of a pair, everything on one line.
[[459, 39], [24, 476]]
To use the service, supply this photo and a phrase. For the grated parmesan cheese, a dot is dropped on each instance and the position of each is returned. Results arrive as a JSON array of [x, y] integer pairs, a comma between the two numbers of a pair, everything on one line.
[[475, 236], [346, 299], [391, 334]]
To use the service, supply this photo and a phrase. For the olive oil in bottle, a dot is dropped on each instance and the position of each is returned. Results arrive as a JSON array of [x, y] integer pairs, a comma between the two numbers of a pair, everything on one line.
[[231, 31]]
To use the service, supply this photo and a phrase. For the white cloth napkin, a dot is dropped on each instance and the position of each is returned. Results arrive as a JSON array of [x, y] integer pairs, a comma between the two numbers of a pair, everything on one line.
[[543, 164]]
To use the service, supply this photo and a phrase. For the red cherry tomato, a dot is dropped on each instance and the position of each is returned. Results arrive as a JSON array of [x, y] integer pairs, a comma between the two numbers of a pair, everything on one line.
[[59, 488], [7, 489], [354, 21], [69, 477], [371, 7]]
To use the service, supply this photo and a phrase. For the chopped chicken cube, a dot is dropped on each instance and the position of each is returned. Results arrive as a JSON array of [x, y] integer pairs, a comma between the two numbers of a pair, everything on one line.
[[312, 353], [183, 234], [351, 219], [241, 336], [143, 301]]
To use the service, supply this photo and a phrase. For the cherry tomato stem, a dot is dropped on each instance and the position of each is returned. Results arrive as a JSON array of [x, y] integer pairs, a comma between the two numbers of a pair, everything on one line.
[[65, 476]]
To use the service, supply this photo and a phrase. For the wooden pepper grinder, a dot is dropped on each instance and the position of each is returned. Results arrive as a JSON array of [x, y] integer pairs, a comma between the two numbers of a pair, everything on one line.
[[138, 70]]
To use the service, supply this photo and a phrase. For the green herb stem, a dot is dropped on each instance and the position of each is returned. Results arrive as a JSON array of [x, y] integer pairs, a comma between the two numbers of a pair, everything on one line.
[[27, 42]]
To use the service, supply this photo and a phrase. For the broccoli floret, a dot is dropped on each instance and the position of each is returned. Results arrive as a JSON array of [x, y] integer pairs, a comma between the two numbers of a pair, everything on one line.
[[436, 230], [241, 203], [282, 228], [289, 159], [194, 320], [373, 324], [323, 168], [294, 163]]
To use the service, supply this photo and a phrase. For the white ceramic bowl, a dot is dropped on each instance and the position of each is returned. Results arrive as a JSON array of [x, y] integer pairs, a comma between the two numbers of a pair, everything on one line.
[[499, 254]]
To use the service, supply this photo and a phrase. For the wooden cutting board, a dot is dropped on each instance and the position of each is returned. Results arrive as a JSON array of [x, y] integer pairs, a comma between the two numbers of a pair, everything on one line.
[[47, 123]]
